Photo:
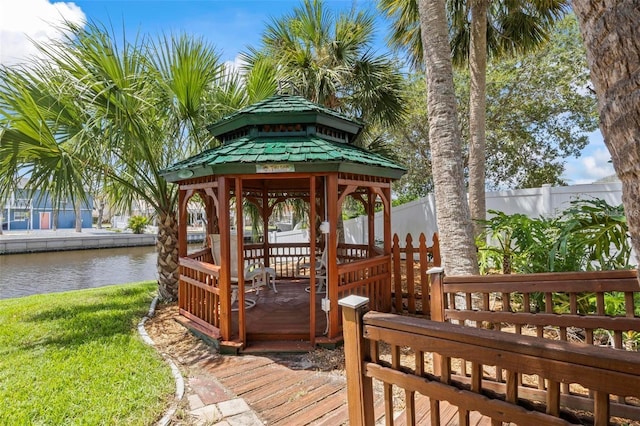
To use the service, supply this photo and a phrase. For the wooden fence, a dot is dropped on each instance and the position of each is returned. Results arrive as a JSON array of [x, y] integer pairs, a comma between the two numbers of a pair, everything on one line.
[[426, 370], [411, 289]]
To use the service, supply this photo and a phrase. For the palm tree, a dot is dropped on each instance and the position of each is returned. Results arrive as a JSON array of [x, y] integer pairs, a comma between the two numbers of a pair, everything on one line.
[[478, 29], [118, 112], [454, 221], [613, 50], [328, 59], [38, 136]]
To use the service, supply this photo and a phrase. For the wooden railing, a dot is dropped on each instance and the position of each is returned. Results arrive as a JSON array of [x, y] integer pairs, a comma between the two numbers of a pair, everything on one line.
[[410, 279], [352, 252], [360, 271], [368, 278], [431, 349], [253, 253], [593, 304], [597, 308], [284, 257], [203, 255], [199, 294]]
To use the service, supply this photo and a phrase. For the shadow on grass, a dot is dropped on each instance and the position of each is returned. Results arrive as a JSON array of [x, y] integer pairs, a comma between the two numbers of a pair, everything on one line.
[[82, 321]]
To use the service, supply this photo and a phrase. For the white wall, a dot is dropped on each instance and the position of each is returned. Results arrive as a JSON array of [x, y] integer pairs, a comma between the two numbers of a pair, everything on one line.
[[294, 236], [549, 201], [420, 215]]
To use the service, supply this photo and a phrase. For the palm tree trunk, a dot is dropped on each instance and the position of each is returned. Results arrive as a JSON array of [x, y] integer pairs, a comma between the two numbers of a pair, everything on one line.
[[167, 247], [77, 211], [340, 227], [612, 39], [100, 212], [453, 217], [477, 112]]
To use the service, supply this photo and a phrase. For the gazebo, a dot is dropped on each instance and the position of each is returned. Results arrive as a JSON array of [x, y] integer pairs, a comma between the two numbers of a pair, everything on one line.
[[274, 151]]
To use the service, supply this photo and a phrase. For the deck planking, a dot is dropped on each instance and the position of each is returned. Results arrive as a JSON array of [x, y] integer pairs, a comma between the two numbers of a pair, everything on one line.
[[283, 315], [285, 396], [282, 395]]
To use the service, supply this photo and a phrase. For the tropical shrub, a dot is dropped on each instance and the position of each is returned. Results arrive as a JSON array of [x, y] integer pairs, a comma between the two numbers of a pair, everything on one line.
[[517, 243], [589, 235], [138, 223], [602, 230]]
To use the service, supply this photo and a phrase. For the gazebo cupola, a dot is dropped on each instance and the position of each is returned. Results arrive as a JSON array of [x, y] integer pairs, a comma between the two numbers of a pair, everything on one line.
[[280, 149]]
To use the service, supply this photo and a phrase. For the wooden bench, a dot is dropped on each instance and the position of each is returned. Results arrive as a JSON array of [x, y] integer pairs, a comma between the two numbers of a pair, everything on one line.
[[593, 308], [436, 347]]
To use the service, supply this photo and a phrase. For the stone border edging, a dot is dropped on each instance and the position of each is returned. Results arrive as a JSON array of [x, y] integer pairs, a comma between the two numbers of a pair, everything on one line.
[[164, 421]]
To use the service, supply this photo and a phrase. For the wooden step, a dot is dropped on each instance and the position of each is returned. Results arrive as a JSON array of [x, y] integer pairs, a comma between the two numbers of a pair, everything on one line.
[[277, 346]]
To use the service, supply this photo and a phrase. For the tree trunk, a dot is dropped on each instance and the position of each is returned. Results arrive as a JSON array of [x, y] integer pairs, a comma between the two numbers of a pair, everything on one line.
[[454, 222], [167, 247], [100, 212], [340, 228], [477, 112], [54, 225], [611, 33], [1, 210], [78, 214]]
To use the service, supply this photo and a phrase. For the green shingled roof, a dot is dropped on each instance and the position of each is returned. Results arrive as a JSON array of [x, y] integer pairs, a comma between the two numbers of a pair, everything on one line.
[[284, 109], [304, 150], [302, 153]]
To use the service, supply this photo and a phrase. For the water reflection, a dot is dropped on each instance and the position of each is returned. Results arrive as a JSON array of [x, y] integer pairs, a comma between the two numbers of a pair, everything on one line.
[[35, 273]]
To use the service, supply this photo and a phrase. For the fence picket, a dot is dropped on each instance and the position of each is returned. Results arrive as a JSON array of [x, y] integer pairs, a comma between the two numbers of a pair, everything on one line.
[[411, 291]]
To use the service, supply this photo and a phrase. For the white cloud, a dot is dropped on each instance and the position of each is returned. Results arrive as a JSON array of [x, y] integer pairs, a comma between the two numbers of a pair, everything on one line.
[[235, 65], [22, 20], [594, 162], [589, 168]]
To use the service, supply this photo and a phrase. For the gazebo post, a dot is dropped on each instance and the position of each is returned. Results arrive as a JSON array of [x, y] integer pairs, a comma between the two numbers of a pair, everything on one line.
[[265, 213], [240, 256], [182, 223], [312, 260], [225, 278], [323, 207], [332, 254], [386, 203], [371, 200], [210, 211]]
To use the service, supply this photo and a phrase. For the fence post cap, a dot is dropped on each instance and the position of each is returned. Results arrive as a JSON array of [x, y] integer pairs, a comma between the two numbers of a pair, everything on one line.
[[353, 301], [435, 270]]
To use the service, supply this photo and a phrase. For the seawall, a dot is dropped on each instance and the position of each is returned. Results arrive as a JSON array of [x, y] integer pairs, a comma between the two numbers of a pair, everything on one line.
[[41, 241]]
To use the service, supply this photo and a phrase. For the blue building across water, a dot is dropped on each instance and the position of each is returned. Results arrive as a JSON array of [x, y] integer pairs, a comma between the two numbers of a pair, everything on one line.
[[25, 211]]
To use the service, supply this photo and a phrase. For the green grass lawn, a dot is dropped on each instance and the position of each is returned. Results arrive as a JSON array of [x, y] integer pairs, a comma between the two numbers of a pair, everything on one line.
[[76, 358]]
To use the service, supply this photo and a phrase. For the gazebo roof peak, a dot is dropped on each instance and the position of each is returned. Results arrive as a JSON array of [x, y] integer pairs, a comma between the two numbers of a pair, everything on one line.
[[281, 110]]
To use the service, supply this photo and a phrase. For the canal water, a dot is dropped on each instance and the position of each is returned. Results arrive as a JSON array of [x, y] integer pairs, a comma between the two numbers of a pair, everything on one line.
[[35, 273]]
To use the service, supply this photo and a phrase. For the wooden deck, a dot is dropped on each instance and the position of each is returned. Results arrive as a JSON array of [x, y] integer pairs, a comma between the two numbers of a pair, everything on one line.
[[285, 396], [282, 316], [281, 395]]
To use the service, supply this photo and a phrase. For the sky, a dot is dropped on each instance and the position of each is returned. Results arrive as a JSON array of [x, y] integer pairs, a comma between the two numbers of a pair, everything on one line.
[[230, 25]]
